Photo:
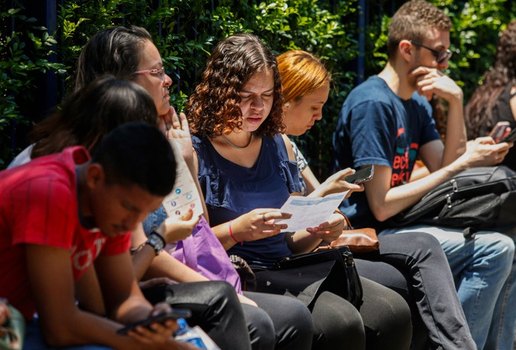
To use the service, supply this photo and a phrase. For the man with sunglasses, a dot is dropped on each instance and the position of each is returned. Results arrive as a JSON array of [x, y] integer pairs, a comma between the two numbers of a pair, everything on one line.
[[387, 121]]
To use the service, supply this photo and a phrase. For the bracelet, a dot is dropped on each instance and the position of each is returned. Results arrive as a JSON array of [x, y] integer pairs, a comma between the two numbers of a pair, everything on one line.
[[230, 230], [346, 219], [137, 249]]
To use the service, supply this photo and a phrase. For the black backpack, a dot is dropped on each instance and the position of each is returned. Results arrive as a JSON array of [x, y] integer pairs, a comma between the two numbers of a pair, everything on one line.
[[477, 198]]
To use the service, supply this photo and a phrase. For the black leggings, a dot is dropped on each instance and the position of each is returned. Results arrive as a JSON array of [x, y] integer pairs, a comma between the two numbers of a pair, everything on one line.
[[383, 321], [215, 308], [420, 259], [279, 322]]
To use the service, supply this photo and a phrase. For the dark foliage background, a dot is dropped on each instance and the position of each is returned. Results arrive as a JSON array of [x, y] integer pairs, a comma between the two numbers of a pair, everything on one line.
[[40, 42]]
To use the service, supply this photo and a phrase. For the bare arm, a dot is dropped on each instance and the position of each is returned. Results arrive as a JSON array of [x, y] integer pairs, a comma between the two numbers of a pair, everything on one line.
[[386, 201], [88, 294], [63, 323], [148, 265]]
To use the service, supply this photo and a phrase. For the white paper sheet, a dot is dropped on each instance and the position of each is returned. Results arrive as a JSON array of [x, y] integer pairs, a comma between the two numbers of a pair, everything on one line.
[[310, 211]]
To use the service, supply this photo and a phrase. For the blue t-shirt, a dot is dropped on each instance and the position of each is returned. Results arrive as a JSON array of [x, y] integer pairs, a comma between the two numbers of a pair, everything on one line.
[[231, 190], [376, 126]]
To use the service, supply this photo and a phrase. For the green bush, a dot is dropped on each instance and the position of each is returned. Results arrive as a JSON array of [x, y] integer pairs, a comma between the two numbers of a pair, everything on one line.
[[185, 32], [24, 51]]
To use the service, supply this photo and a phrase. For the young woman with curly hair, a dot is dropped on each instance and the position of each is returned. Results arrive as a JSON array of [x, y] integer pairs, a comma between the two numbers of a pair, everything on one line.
[[247, 171]]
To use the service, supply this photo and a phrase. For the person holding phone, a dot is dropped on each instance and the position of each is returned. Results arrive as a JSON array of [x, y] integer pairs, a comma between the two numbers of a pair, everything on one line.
[[305, 87], [130, 53], [387, 121], [494, 102], [64, 213], [246, 172]]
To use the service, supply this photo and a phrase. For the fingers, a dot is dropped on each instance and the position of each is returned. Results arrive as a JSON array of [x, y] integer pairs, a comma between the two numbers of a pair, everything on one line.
[[344, 173], [272, 214], [176, 124], [188, 215], [183, 122]]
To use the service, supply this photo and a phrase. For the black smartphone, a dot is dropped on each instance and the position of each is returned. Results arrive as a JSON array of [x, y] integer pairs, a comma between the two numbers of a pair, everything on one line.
[[499, 130], [511, 137], [361, 175], [160, 318]]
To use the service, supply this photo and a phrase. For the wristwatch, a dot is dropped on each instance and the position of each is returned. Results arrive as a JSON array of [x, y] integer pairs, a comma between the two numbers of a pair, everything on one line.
[[156, 241]]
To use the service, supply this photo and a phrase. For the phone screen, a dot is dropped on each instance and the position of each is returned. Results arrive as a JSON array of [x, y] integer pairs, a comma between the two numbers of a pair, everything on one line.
[[361, 175], [500, 130], [511, 137], [160, 318]]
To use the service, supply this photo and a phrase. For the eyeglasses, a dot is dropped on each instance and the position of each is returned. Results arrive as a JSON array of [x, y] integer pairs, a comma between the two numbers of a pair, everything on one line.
[[440, 55], [157, 72]]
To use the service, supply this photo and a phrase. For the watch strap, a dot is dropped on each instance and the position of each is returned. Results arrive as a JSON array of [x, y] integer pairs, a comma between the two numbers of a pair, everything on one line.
[[156, 241]]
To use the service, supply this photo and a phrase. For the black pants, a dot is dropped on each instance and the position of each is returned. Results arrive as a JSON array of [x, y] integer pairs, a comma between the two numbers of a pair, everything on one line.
[[215, 308], [278, 322], [383, 321], [428, 284]]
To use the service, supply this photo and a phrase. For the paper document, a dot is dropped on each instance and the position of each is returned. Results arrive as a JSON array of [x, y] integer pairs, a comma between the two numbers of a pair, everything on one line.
[[310, 211], [184, 196]]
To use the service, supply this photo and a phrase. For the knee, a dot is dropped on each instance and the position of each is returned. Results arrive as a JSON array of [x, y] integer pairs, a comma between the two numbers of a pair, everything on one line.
[[299, 317], [223, 292], [497, 248], [387, 317], [337, 322], [423, 245], [260, 328]]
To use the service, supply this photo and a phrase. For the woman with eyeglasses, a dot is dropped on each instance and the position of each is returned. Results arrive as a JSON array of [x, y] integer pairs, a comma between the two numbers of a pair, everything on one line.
[[130, 53], [247, 172]]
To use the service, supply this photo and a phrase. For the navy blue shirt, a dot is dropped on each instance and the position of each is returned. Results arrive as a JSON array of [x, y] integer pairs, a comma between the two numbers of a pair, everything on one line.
[[231, 190], [376, 126]]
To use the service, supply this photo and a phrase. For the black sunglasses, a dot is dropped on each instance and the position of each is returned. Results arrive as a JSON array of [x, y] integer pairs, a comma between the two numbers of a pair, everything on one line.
[[440, 55]]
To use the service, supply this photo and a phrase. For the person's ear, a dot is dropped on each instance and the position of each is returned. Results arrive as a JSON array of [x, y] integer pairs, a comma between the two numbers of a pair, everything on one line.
[[286, 106], [405, 50], [94, 175]]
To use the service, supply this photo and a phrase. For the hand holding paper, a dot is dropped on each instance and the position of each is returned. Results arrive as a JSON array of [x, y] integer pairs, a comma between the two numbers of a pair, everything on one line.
[[310, 211]]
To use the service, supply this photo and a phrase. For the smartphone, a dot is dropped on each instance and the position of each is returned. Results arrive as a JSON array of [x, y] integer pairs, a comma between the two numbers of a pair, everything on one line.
[[500, 130], [510, 138], [160, 318], [361, 175]]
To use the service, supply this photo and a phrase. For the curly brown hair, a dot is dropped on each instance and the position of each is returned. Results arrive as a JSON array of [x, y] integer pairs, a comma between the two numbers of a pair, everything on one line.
[[213, 108], [412, 21], [502, 75]]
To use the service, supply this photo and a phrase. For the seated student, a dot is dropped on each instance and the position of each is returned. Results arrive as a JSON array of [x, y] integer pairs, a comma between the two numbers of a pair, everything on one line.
[[386, 121], [306, 85], [64, 213], [141, 63], [495, 100], [246, 174], [84, 118]]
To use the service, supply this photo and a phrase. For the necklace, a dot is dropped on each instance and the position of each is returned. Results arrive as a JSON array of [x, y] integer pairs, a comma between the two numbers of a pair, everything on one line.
[[237, 146]]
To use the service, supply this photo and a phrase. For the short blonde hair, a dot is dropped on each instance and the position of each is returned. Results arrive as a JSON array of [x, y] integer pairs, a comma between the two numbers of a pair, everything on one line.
[[301, 73]]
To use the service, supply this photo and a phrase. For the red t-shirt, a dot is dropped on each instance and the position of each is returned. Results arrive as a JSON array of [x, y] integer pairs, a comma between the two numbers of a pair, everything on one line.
[[38, 205]]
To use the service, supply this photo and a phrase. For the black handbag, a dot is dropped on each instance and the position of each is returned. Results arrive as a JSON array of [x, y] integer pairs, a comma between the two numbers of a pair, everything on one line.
[[308, 275]]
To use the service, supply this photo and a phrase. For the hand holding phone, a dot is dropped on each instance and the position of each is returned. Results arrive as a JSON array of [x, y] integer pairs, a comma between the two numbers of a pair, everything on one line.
[[361, 175], [500, 131], [160, 318], [509, 138]]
